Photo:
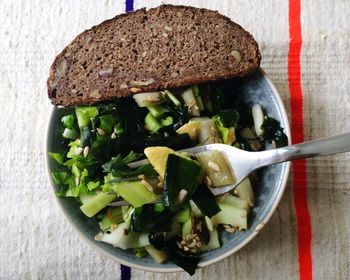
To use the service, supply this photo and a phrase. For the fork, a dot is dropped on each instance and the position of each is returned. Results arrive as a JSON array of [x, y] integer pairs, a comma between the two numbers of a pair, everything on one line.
[[242, 163]]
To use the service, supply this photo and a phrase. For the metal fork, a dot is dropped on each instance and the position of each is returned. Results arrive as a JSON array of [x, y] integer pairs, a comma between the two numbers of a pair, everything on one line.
[[243, 163]]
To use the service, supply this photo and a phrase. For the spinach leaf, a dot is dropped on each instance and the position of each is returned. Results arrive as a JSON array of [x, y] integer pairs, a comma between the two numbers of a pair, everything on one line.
[[228, 118], [274, 132], [110, 108], [133, 117], [205, 201], [118, 166], [57, 157], [68, 121], [61, 177], [146, 219], [107, 123], [85, 137], [104, 148], [80, 161], [187, 261]]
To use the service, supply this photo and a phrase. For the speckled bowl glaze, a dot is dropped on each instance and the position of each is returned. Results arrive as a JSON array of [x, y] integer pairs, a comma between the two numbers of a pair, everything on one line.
[[257, 88]]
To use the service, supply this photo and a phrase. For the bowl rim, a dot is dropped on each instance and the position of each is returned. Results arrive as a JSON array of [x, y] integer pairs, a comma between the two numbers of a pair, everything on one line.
[[202, 264]]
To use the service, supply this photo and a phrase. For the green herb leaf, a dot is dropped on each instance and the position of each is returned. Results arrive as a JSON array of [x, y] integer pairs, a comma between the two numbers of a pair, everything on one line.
[[228, 118], [57, 157], [61, 177], [107, 123], [68, 121], [93, 185]]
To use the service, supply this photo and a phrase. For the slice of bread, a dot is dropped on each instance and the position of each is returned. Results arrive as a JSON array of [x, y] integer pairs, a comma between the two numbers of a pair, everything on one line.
[[164, 47]]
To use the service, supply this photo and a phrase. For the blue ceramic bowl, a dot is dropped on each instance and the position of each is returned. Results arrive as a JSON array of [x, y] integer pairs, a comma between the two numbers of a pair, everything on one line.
[[258, 89]]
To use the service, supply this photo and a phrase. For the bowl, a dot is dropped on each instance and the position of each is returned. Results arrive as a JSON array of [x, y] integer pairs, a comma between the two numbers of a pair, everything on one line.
[[257, 88]]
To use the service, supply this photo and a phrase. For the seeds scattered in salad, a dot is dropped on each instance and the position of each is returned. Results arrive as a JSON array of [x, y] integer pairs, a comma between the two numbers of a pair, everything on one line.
[[214, 166], [86, 151], [171, 213]]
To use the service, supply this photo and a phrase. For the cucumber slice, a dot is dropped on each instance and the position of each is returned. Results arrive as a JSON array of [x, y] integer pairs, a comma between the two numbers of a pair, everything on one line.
[[97, 203], [158, 255], [148, 98], [230, 215], [213, 243], [216, 168], [84, 114], [134, 192], [206, 134], [187, 228], [182, 177], [191, 102]]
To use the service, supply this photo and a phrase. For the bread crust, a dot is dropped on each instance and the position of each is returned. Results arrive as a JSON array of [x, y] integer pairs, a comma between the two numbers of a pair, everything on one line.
[[88, 70]]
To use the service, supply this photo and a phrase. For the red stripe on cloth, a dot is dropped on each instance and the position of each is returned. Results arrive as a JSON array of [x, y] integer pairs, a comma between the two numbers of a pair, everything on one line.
[[297, 131]]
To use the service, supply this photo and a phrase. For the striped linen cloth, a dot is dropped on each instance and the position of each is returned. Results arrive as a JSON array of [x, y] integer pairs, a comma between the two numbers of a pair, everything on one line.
[[305, 49]]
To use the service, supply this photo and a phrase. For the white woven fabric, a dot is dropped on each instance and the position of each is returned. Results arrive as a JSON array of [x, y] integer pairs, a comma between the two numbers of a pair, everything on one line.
[[37, 242]]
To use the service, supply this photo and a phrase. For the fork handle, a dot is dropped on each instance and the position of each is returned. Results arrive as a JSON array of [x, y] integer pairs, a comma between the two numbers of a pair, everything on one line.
[[322, 147]]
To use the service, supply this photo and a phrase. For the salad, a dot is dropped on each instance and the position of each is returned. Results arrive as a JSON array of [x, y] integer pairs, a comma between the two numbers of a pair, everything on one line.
[[162, 208]]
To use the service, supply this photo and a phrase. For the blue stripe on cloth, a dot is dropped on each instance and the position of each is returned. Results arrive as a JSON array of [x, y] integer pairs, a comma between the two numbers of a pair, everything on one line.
[[125, 270], [129, 5]]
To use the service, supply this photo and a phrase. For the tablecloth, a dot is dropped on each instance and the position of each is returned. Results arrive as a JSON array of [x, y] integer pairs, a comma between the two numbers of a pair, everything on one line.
[[305, 52]]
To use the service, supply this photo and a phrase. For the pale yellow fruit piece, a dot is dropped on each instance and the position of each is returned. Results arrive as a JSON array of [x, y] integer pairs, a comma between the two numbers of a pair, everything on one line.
[[231, 137], [158, 156], [192, 128]]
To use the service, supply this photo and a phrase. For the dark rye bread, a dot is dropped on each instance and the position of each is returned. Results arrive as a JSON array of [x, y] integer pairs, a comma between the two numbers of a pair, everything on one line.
[[164, 47]]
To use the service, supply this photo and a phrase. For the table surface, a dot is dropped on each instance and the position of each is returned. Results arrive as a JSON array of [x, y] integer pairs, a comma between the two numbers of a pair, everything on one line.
[[309, 233]]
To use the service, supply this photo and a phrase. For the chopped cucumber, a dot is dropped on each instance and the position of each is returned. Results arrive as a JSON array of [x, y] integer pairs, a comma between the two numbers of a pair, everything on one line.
[[182, 216], [173, 98], [195, 210], [198, 98], [158, 255], [84, 114], [157, 110], [250, 136], [216, 168], [122, 238], [207, 133], [245, 191], [151, 123], [230, 215], [191, 102], [209, 224], [148, 98], [97, 203], [134, 192], [70, 133], [187, 228], [113, 216], [235, 201], [86, 198], [213, 242]]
